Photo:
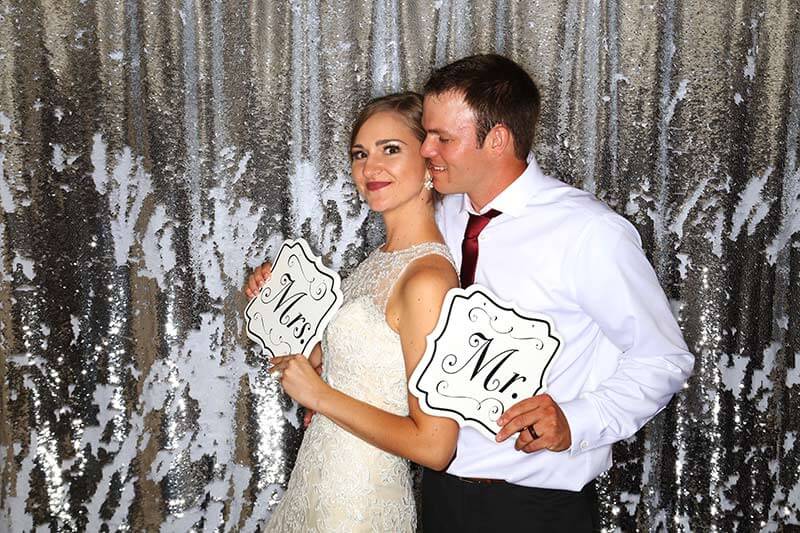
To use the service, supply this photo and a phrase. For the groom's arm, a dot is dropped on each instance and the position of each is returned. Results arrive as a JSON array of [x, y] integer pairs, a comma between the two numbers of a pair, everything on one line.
[[613, 282]]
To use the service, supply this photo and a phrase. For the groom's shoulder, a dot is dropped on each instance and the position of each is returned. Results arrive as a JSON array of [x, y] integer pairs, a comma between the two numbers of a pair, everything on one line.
[[558, 194], [574, 210]]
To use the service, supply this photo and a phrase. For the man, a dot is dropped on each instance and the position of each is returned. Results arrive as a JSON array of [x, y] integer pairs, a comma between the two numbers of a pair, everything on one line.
[[552, 250]]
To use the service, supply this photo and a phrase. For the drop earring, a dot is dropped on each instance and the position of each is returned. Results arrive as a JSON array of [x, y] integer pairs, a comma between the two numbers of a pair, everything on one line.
[[428, 183]]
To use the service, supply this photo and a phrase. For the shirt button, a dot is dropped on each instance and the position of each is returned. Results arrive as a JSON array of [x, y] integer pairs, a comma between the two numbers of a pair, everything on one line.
[[584, 445], [482, 237]]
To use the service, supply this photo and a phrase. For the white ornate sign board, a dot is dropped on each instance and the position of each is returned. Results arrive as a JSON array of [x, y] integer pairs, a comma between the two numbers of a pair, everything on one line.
[[290, 312], [482, 357]]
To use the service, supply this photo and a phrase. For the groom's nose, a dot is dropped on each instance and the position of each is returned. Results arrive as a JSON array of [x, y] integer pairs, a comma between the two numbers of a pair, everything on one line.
[[428, 148]]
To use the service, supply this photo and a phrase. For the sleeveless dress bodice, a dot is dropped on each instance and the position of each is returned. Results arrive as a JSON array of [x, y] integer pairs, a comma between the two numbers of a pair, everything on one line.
[[339, 482]]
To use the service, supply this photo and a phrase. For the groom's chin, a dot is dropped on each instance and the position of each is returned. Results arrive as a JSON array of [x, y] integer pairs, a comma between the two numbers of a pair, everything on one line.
[[442, 186]]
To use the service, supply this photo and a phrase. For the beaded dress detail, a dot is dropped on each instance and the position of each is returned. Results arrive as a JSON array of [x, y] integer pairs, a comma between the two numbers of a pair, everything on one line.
[[339, 482]]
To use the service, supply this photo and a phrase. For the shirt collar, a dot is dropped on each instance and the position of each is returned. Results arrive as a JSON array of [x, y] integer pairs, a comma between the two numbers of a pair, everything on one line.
[[513, 199]]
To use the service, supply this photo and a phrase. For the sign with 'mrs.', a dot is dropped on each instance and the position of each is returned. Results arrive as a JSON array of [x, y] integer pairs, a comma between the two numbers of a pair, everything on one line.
[[483, 357], [290, 312]]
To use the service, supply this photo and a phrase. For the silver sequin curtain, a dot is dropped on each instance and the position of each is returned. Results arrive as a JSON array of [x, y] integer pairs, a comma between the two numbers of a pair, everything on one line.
[[152, 152]]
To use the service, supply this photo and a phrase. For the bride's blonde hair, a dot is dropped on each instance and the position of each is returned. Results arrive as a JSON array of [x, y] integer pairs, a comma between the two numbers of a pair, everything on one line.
[[407, 104]]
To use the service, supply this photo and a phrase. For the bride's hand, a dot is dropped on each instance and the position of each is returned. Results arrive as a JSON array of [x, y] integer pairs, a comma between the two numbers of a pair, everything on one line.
[[257, 279], [299, 379], [309, 414]]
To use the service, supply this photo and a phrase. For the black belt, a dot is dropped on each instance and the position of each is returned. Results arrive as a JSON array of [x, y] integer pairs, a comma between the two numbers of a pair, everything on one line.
[[480, 480]]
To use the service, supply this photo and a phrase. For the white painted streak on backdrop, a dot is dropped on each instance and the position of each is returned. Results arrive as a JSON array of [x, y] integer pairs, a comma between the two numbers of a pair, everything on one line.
[[214, 385], [125, 202], [98, 157], [351, 226], [442, 26], [127, 190], [48, 460], [5, 123], [658, 212], [57, 161], [667, 105], [565, 66], [500, 25], [240, 478], [751, 201], [124, 456], [385, 48], [591, 83], [259, 513], [26, 265], [460, 17], [234, 232], [158, 252], [6, 197], [783, 503], [714, 235], [4, 276], [790, 199], [134, 52], [761, 381], [678, 224], [613, 113], [304, 182], [197, 229], [218, 76], [749, 70]]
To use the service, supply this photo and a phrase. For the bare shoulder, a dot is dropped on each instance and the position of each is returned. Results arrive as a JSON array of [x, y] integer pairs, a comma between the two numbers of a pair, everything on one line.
[[428, 277]]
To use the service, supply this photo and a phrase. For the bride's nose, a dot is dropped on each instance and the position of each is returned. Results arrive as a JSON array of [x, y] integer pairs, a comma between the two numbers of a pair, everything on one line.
[[372, 168]]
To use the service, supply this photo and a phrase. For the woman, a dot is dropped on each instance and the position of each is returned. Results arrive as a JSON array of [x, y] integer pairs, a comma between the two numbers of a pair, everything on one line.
[[349, 474]]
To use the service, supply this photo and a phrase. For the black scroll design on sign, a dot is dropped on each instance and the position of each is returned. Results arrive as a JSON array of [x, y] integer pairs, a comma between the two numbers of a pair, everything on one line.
[[450, 361], [279, 341], [316, 286], [496, 407], [474, 315]]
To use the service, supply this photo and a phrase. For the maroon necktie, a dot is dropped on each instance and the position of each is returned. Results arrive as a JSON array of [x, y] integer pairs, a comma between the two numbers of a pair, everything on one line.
[[469, 247]]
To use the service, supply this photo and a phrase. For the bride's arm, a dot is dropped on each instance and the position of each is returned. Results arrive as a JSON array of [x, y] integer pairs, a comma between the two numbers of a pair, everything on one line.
[[316, 363], [424, 439]]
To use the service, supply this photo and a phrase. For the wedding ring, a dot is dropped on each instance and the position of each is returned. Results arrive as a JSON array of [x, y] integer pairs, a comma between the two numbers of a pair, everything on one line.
[[532, 431]]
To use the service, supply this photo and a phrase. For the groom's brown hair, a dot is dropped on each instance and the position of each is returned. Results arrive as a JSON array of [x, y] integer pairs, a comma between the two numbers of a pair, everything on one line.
[[498, 91]]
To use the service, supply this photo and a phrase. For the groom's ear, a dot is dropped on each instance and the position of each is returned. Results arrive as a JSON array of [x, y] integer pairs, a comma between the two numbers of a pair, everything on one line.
[[499, 140]]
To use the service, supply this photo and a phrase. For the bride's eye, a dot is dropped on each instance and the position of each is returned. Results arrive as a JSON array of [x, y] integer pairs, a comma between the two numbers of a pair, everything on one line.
[[391, 149], [357, 154]]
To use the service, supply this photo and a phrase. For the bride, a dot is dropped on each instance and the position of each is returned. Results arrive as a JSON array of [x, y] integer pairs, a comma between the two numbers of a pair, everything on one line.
[[352, 472]]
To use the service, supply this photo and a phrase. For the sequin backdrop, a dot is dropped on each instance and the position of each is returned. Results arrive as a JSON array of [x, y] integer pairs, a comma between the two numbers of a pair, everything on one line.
[[152, 152]]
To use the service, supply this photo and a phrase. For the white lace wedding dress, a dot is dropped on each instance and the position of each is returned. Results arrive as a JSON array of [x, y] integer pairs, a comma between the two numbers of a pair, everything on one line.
[[339, 482]]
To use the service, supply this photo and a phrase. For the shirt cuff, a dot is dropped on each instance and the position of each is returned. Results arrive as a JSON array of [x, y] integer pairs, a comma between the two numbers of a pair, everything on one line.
[[585, 424]]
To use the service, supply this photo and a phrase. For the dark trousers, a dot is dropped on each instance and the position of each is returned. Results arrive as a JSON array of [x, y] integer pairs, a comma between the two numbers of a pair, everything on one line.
[[452, 504]]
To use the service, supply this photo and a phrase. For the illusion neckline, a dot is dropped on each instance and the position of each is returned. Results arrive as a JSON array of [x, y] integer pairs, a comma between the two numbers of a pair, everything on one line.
[[412, 247]]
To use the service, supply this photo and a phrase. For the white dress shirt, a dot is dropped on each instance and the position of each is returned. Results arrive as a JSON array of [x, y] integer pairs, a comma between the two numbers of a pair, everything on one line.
[[558, 251]]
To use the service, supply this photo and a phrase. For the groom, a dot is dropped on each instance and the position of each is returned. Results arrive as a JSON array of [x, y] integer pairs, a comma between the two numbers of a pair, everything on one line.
[[554, 250]]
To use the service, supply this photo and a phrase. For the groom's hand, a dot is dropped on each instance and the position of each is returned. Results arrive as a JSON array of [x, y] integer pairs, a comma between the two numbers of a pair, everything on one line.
[[257, 278], [546, 421]]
